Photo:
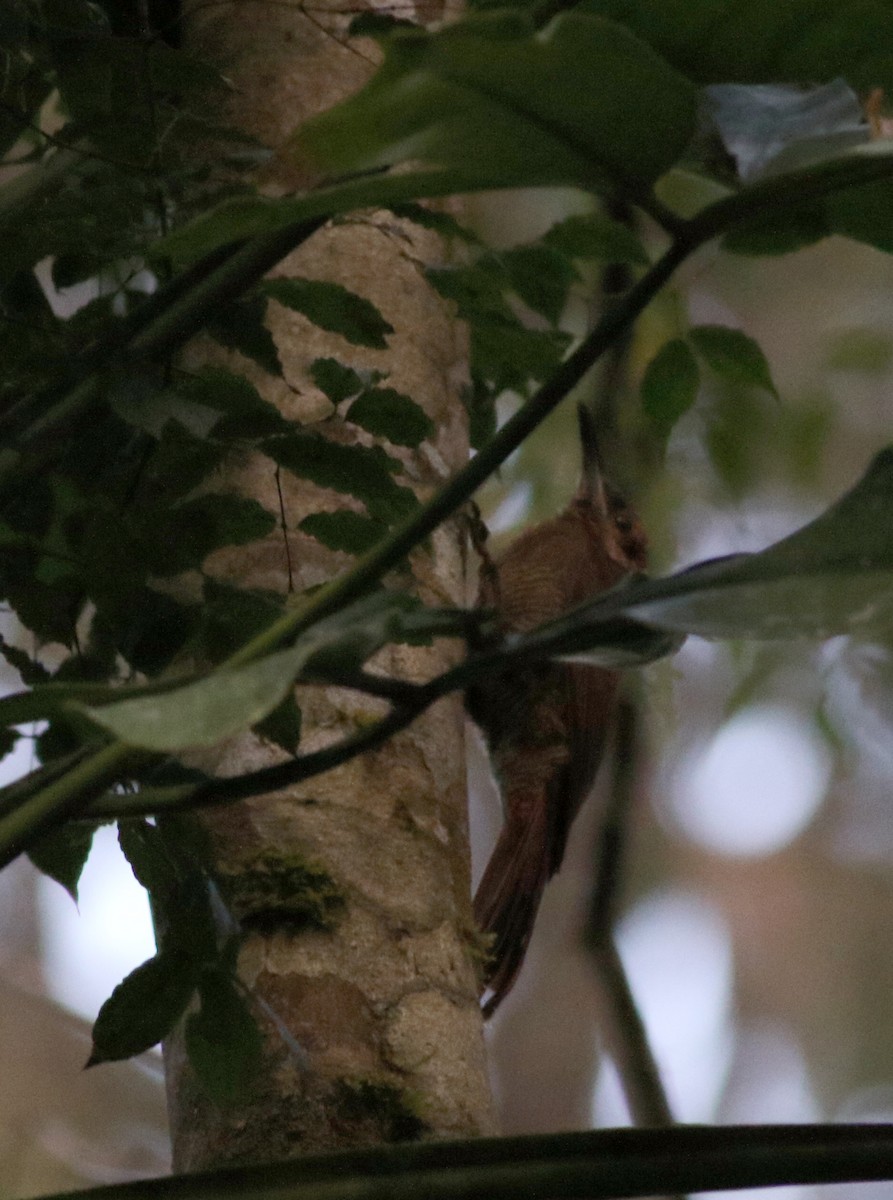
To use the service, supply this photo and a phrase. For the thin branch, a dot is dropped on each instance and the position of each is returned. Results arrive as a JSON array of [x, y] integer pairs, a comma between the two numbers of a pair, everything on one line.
[[596, 1165]]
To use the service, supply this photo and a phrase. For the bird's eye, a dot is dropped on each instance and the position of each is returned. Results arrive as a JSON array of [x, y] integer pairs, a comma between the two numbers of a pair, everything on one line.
[[623, 523]]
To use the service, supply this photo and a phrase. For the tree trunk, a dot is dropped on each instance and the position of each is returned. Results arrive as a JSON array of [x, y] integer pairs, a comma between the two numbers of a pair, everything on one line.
[[352, 889]]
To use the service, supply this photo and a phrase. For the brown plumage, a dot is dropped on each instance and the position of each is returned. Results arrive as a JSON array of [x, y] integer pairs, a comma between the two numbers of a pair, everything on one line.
[[546, 725]]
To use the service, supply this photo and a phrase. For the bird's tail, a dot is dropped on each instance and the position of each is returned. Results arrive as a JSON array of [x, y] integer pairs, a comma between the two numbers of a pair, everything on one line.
[[508, 897]]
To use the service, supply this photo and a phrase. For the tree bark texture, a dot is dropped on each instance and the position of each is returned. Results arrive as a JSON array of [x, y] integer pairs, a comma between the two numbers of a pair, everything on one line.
[[353, 888]]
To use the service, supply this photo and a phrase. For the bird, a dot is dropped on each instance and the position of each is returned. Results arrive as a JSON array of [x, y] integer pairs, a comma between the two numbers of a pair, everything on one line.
[[545, 724]]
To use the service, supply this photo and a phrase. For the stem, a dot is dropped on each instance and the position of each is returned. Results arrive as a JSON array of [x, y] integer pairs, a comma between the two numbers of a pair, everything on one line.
[[60, 798], [570, 1166]]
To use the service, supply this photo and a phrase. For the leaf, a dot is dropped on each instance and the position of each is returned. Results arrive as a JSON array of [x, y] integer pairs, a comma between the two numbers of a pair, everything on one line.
[[733, 355], [592, 236], [31, 671], [344, 530], [542, 277], [769, 128], [240, 326], [223, 1041], [333, 308], [337, 380], [282, 726], [62, 854], [670, 386], [207, 711], [799, 41], [390, 414], [360, 471], [243, 413], [186, 534], [835, 575], [580, 102], [143, 1008], [144, 847]]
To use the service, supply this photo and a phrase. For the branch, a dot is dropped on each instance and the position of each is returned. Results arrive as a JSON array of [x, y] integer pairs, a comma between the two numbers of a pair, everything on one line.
[[570, 1166]]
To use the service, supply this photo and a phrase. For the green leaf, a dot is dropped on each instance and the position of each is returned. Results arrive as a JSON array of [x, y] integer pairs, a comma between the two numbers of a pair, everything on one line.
[[835, 575], [785, 231], [542, 277], [360, 471], [283, 725], [596, 237], [144, 847], [333, 308], [390, 414], [240, 326], [799, 41], [670, 386], [222, 1039], [242, 412], [226, 701], [207, 711], [344, 530], [31, 671], [733, 355], [580, 102], [336, 380], [62, 854], [143, 1008], [187, 533]]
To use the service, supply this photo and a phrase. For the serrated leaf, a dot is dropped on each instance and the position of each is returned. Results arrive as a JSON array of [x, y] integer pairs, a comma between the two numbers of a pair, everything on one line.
[[596, 237], [241, 410], [335, 379], [669, 386], [390, 414], [62, 854], [32, 672], [364, 472], [334, 308], [436, 219], [344, 530], [143, 845], [187, 533], [542, 277], [223, 1041], [579, 102], [143, 1008], [733, 355], [240, 326]]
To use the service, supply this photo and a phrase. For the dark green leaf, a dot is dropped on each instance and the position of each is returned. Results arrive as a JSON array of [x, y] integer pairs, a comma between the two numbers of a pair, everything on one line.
[[542, 277], [580, 102], [32, 672], [188, 532], [336, 380], [593, 236], [670, 386], [392, 415], [333, 308], [62, 853], [144, 847], [240, 326], [434, 218], [835, 575], [344, 530], [143, 1008], [242, 412], [283, 725], [733, 355], [359, 471], [222, 1039], [799, 41]]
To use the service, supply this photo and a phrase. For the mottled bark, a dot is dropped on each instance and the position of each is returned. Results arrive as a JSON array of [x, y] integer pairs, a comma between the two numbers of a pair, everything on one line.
[[352, 888]]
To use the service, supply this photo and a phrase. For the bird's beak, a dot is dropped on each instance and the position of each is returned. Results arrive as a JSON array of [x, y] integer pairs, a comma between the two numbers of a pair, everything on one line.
[[592, 480]]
